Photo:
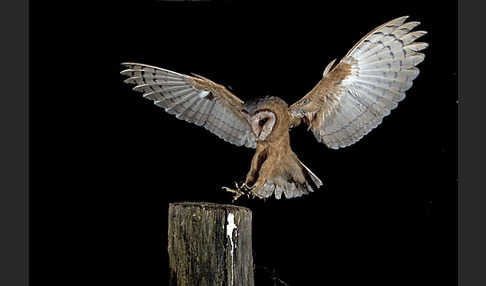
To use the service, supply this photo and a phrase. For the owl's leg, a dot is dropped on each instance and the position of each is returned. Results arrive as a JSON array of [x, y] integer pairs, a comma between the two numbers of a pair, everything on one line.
[[247, 190], [239, 191], [260, 170], [256, 162], [243, 189], [264, 174], [253, 189]]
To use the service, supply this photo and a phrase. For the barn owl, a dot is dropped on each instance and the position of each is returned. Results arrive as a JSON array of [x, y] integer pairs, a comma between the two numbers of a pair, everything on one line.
[[352, 98]]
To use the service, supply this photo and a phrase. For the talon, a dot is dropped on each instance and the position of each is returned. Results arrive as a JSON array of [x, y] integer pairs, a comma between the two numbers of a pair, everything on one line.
[[255, 194], [237, 193], [250, 191], [243, 189], [236, 197]]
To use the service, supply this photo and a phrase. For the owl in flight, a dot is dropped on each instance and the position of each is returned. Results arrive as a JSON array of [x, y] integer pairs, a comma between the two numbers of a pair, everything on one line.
[[350, 100]]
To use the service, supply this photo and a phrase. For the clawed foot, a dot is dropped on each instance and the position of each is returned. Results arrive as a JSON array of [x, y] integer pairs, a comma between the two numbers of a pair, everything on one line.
[[241, 190]]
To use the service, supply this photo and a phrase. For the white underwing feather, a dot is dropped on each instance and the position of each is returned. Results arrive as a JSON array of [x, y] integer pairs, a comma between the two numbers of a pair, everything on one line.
[[178, 96], [383, 68]]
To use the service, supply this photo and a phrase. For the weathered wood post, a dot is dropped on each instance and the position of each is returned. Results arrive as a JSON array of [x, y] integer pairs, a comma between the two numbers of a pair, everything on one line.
[[210, 245]]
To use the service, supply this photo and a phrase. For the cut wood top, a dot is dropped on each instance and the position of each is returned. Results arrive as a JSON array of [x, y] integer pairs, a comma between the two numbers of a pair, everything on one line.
[[208, 205]]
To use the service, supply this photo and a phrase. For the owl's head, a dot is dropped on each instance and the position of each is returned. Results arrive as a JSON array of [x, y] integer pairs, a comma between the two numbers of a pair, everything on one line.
[[262, 123], [264, 115]]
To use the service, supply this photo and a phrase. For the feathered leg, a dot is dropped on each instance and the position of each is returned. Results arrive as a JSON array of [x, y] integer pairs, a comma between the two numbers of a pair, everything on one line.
[[259, 172]]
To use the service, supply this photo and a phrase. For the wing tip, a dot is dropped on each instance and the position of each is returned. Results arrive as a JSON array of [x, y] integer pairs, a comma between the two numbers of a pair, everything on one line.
[[405, 17], [126, 72], [399, 20], [129, 64]]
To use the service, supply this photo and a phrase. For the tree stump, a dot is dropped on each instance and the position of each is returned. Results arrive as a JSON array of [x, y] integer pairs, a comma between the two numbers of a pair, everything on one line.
[[210, 245]]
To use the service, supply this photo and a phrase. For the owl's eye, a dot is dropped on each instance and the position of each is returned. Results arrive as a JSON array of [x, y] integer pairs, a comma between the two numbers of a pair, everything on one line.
[[262, 122]]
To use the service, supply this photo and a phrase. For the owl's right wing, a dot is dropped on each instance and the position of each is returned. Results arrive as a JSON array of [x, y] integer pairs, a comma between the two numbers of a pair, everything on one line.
[[194, 99]]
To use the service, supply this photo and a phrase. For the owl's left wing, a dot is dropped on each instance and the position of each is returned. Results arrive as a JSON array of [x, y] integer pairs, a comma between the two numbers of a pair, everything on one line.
[[194, 99], [354, 96]]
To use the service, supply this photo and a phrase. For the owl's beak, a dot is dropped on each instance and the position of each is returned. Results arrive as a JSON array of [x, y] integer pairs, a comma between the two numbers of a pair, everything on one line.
[[258, 135], [256, 131]]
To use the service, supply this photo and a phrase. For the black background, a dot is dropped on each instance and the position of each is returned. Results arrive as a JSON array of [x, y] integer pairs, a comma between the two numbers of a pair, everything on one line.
[[105, 162]]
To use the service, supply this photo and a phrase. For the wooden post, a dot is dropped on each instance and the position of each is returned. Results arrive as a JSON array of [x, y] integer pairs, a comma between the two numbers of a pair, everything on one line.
[[210, 245]]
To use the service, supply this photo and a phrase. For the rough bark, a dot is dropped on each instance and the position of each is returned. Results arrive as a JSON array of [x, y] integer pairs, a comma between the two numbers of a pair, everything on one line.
[[210, 245]]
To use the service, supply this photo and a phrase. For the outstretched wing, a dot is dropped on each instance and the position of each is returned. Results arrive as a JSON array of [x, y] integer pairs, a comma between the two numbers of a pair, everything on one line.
[[353, 97], [194, 99]]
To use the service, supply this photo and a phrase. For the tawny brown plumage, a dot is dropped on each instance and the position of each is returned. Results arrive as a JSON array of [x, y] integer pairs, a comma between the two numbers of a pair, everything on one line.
[[349, 101]]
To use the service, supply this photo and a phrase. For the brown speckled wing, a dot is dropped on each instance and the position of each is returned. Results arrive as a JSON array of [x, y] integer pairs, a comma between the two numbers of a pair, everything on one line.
[[193, 99], [353, 97]]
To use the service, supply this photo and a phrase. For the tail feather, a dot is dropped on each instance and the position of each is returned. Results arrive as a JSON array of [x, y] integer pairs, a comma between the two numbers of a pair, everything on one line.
[[291, 183], [309, 173]]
